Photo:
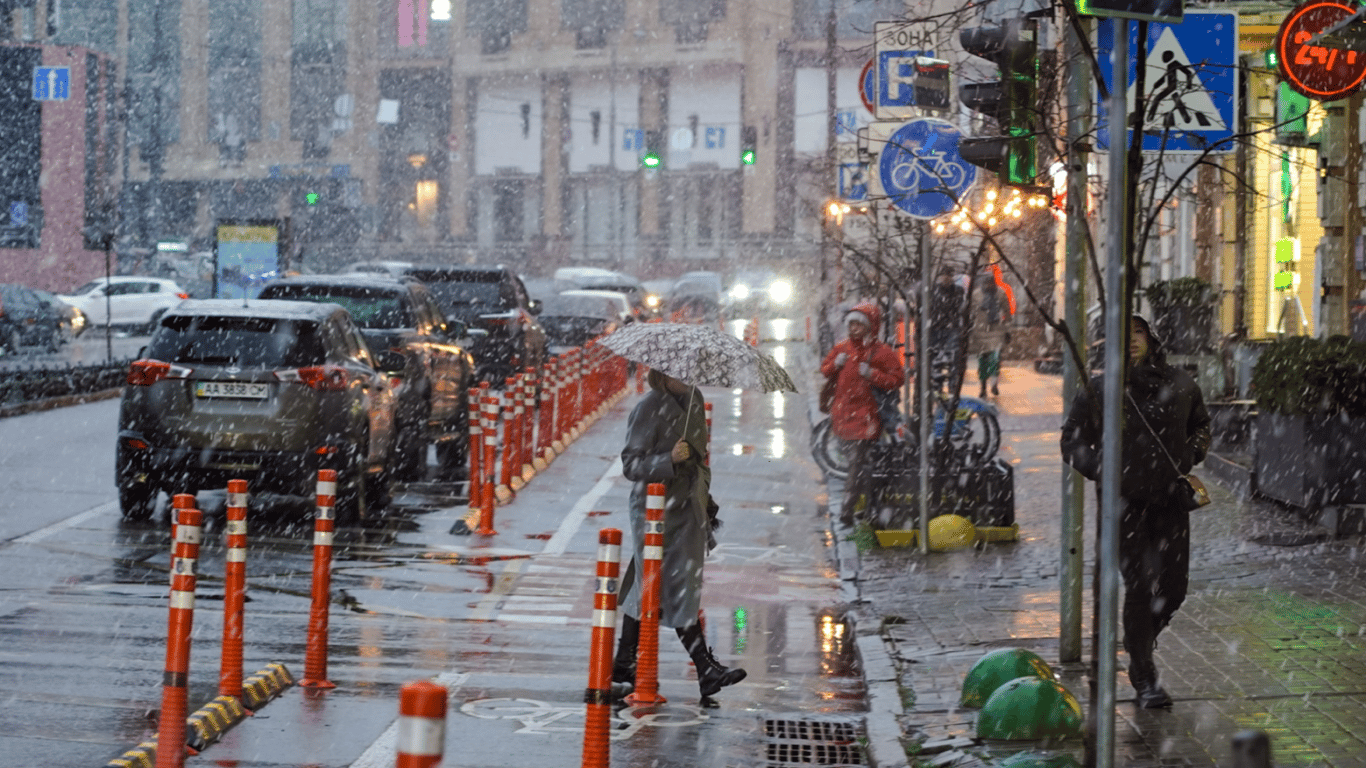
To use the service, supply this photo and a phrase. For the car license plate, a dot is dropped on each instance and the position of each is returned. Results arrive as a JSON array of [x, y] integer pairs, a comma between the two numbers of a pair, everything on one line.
[[241, 390]]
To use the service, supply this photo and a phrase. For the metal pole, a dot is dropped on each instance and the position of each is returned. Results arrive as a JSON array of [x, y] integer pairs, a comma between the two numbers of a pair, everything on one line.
[[924, 411], [1107, 559], [1074, 303]]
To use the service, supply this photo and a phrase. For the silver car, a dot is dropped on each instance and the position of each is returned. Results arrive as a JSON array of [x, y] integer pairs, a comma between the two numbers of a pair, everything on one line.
[[270, 393]]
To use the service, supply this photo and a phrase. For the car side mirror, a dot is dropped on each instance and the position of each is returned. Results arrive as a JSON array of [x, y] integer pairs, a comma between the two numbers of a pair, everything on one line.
[[389, 361], [534, 306], [455, 329]]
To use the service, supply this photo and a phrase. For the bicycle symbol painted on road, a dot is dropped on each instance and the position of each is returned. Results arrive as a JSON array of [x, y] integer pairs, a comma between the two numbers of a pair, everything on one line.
[[921, 170], [544, 718]]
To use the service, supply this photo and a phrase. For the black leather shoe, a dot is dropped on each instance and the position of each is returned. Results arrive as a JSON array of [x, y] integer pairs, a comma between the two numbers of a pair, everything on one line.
[[714, 677], [1153, 697]]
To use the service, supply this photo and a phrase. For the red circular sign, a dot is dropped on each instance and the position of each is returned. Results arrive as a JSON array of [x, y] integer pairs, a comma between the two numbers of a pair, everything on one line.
[[866, 86], [1318, 71]]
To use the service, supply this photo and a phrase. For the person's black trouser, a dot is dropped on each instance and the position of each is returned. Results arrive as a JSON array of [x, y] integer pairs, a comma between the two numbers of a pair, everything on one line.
[[1154, 560], [860, 479]]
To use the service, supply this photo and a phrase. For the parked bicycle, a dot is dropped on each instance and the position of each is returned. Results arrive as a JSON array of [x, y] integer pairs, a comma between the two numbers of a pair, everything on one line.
[[975, 435]]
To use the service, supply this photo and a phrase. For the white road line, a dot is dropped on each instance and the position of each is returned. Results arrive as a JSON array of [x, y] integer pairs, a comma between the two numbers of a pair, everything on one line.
[[70, 522], [382, 752], [570, 525]]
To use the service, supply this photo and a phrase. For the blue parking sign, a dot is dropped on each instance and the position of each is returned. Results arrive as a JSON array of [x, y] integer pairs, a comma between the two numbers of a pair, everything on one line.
[[51, 83], [18, 213]]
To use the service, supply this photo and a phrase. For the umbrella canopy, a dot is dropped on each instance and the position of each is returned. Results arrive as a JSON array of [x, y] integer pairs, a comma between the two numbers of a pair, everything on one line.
[[699, 355]]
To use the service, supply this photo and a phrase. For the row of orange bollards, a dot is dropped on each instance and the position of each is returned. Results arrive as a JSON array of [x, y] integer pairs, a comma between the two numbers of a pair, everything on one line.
[[514, 434]]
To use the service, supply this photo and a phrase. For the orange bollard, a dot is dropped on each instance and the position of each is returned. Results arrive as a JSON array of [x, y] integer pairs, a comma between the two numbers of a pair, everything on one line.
[[490, 466], [180, 623], [421, 739], [512, 424], [324, 523], [640, 379], [234, 591], [178, 502], [808, 328], [475, 448], [647, 654], [545, 424], [597, 729], [527, 440]]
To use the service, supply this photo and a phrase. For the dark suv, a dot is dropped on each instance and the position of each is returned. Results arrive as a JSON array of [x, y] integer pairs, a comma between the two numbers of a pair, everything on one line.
[[494, 301], [270, 393], [401, 315]]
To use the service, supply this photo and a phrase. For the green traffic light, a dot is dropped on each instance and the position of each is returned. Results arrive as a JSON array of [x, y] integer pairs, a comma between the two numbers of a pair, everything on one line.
[[650, 161], [747, 157], [312, 198]]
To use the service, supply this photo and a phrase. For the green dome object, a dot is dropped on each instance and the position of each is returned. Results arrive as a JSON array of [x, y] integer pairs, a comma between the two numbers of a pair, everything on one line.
[[1039, 760], [998, 668], [950, 532], [1030, 708]]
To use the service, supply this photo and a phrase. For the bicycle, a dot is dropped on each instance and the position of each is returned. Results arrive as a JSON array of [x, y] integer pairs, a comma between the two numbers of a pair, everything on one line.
[[975, 436]]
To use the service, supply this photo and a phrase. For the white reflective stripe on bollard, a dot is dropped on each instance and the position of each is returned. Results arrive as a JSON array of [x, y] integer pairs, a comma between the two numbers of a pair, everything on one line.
[[422, 736]]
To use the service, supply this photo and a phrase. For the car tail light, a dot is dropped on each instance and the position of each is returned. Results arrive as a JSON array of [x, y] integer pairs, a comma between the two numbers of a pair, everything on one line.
[[325, 378], [145, 373], [136, 444], [182, 295]]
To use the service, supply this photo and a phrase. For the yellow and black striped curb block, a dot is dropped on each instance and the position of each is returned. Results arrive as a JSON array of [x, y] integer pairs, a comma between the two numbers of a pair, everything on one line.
[[208, 725], [265, 685], [143, 755]]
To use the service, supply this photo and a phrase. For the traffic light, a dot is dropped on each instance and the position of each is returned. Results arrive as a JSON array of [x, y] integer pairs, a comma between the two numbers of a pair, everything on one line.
[[749, 145], [653, 156], [1010, 101], [311, 198]]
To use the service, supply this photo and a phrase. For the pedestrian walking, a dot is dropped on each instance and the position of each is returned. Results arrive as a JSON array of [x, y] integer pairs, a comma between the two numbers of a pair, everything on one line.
[[946, 318], [989, 337], [666, 442], [864, 369], [1166, 432]]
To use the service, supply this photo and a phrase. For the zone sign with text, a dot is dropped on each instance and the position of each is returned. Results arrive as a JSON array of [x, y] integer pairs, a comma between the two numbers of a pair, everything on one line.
[[895, 47]]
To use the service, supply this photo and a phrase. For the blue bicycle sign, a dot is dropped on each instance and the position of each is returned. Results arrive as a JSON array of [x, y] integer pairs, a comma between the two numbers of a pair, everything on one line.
[[921, 170]]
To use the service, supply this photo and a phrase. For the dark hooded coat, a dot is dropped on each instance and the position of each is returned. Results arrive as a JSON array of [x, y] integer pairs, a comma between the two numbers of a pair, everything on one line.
[[657, 422]]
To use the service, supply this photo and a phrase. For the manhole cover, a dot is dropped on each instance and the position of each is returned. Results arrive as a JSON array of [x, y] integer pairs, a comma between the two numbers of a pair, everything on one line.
[[790, 742]]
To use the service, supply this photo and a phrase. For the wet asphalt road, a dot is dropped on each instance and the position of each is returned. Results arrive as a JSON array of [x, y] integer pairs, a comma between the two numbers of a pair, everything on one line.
[[502, 621]]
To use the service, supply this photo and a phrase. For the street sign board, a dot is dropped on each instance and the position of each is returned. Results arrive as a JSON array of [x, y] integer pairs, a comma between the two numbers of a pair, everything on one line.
[[1190, 82], [919, 169], [851, 175], [1316, 69], [51, 83], [18, 213], [867, 86], [1170, 11], [896, 44]]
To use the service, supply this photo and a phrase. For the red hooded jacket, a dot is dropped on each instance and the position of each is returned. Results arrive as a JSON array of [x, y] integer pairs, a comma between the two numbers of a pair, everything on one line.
[[853, 415]]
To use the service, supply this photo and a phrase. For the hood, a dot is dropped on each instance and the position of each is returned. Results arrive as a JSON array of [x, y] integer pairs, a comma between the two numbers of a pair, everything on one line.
[[869, 309]]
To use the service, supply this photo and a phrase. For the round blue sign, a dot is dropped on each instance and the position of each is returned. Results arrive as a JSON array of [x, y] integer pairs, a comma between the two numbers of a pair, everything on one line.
[[921, 171]]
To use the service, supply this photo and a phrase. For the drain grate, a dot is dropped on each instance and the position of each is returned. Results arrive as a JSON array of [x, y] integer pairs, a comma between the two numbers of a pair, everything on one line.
[[811, 742]]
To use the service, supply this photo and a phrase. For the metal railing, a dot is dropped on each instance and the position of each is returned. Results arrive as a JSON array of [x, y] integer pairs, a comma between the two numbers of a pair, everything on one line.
[[26, 385]]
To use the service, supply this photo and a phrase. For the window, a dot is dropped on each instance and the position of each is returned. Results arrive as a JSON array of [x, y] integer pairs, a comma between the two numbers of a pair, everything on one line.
[[234, 87], [689, 18], [508, 222], [494, 22], [853, 18], [592, 20]]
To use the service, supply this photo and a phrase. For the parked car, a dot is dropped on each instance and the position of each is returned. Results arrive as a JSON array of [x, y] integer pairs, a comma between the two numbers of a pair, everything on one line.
[[126, 300], [27, 321], [595, 279], [402, 315], [271, 393], [571, 318], [493, 302]]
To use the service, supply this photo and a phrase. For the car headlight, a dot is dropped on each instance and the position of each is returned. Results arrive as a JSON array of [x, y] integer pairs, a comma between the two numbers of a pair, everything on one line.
[[780, 291], [739, 291]]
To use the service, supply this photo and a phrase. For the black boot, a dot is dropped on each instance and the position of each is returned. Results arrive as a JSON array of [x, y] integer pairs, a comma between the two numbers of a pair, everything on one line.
[[711, 676], [624, 664], [1143, 676]]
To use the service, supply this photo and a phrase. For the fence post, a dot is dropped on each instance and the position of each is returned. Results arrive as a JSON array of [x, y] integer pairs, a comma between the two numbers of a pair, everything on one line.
[[597, 733], [324, 524], [421, 741], [647, 654], [234, 591], [171, 746]]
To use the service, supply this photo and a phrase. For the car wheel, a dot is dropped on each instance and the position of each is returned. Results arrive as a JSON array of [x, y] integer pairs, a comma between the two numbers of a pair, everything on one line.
[[56, 339], [410, 449], [453, 457], [137, 501], [14, 342], [351, 501]]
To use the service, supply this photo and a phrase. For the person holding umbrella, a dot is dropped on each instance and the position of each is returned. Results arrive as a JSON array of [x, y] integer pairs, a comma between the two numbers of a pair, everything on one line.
[[666, 442]]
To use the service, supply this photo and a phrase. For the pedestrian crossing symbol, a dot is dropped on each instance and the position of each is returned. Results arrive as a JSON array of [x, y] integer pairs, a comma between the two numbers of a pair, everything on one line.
[[1176, 96], [1190, 82]]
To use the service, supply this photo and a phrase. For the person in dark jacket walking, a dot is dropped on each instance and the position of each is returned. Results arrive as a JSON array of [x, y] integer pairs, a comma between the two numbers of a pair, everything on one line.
[[666, 442], [1166, 432], [861, 363]]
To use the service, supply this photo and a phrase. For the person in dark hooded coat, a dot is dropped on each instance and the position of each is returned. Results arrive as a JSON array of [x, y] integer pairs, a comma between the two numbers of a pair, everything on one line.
[[666, 442], [1166, 432]]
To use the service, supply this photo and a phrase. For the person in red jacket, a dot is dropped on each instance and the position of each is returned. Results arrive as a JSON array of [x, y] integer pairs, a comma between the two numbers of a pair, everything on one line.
[[859, 363]]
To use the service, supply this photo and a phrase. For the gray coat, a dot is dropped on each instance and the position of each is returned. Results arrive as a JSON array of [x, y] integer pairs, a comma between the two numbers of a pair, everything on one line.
[[657, 422]]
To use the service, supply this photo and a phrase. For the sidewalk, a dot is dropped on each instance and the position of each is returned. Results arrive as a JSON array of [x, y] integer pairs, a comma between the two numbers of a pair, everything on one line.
[[1271, 636]]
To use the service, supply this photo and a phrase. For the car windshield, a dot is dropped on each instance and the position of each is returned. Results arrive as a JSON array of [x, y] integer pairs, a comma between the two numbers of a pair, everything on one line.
[[249, 342], [477, 295], [376, 308], [578, 306]]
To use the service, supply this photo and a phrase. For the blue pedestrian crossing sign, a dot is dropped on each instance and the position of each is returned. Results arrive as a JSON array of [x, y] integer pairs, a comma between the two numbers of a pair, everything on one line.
[[1190, 82], [51, 83]]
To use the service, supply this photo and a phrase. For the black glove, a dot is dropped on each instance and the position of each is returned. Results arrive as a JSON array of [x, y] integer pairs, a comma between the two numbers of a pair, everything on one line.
[[712, 511]]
